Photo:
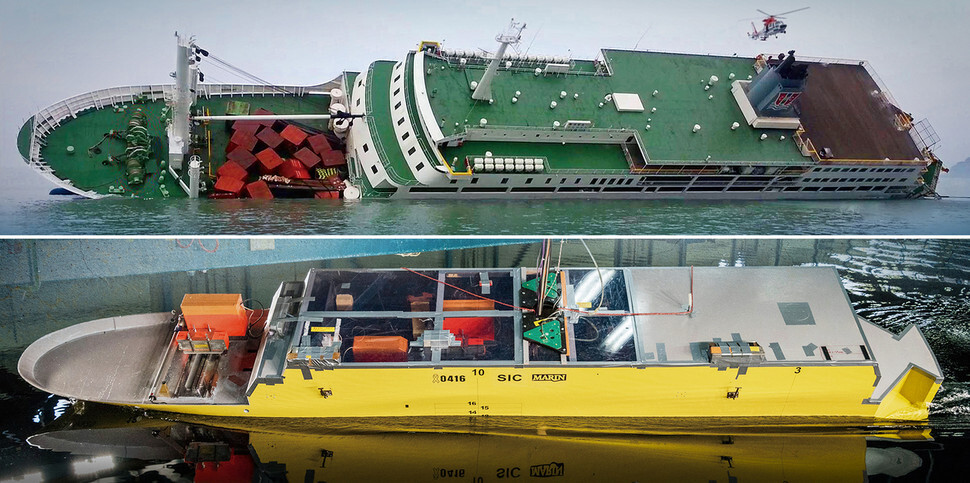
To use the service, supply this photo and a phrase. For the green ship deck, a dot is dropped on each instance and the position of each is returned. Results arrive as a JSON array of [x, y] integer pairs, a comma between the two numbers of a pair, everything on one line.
[[681, 102], [86, 171]]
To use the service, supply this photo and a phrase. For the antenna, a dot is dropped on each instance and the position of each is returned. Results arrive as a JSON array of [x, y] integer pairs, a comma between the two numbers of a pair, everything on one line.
[[511, 36], [645, 32]]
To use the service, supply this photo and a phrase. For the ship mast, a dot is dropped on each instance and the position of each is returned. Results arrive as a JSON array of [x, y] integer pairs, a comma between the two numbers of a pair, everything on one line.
[[511, 36], [186, 80]]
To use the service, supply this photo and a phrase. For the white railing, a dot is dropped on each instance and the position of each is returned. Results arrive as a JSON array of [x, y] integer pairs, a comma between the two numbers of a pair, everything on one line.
[[49, 118]]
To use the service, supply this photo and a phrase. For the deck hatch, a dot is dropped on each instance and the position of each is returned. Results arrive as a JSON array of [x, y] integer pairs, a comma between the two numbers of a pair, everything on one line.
[[796, 313]]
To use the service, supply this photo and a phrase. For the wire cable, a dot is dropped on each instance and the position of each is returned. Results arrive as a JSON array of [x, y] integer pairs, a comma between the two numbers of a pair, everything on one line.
[[598, 272], [690, 301], [466, 291]]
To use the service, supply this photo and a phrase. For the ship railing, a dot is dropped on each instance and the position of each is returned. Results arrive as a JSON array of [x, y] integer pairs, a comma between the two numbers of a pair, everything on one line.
[[875, 162], [209, 90], [805, 144], [883, 90], [496, 127], [522, 66], [51, 117], [678, 167], [924, 136], [760, 64]]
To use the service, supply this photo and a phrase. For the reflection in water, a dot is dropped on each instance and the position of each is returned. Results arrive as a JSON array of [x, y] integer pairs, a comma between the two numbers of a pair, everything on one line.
[[105, 442]]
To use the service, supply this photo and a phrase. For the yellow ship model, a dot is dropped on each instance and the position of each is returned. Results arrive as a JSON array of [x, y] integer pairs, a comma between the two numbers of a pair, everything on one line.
[[778, 342]]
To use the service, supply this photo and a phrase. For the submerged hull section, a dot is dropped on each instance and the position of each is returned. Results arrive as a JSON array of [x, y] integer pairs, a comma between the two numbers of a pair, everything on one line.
[[630, 349]]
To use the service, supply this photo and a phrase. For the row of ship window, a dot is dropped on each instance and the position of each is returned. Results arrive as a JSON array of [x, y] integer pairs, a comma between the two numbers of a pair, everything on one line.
[[865, 170], [851, 180], [651, 189], [628, 181]]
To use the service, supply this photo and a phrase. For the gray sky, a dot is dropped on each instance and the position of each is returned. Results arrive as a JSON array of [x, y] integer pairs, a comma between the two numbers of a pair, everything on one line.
[[51, 50]]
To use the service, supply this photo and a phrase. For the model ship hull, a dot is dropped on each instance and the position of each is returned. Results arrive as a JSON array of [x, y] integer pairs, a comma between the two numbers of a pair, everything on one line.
[[383, 363]]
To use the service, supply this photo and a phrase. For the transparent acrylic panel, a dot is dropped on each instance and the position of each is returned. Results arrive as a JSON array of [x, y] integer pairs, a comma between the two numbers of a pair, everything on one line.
[[600, 339], [379, 339], [495, 285], [372, 291], [482, 339], [540, 354], [588, 289]]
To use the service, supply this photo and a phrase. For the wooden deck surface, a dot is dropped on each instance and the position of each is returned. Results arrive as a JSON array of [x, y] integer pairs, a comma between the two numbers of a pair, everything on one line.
[[839, 112]]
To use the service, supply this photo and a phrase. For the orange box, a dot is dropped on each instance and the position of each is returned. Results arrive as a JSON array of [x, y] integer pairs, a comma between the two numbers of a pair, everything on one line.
[[380, 348], [345, 301], [469, 304], [217, 312]]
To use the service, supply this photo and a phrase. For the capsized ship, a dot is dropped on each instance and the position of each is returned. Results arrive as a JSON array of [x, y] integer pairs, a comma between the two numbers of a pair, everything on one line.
[[463, 123], [621, 342]]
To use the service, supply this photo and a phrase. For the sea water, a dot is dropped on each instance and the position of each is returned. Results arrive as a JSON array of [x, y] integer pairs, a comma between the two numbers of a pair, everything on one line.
[[483, 217]]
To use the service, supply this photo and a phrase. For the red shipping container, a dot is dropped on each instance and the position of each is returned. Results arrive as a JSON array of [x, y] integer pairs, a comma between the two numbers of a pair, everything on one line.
[[229, 184], [264, 112], [270, 137], [230, 169], [293, 134], [246, 126], [259, 190], [319, 143], [269, 160], [474, 329], [294, 169], [241, 156], [306, 156], [241, 139], [380, 348], [333, 158]]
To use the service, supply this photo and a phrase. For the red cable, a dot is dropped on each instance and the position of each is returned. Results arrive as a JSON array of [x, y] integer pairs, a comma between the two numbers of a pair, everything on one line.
[[689, 310], [206, 249], [200, 245]]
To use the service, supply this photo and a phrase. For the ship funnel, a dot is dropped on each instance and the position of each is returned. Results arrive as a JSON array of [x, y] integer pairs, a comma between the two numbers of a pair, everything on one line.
[[511, 36], [774, 90]]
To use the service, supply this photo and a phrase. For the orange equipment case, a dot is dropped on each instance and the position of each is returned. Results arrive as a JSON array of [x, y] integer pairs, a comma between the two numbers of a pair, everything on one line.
[[216, 312]]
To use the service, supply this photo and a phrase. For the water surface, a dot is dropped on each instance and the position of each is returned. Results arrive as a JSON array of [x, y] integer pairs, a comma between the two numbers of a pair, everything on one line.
[[484, 217]]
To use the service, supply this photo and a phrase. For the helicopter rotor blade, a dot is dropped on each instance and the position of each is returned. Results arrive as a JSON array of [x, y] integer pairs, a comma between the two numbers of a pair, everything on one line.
[[792, 11], [762, 11]]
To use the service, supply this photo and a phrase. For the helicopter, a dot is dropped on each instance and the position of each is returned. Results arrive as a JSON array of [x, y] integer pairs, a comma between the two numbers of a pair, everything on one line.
[[773, 24]]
